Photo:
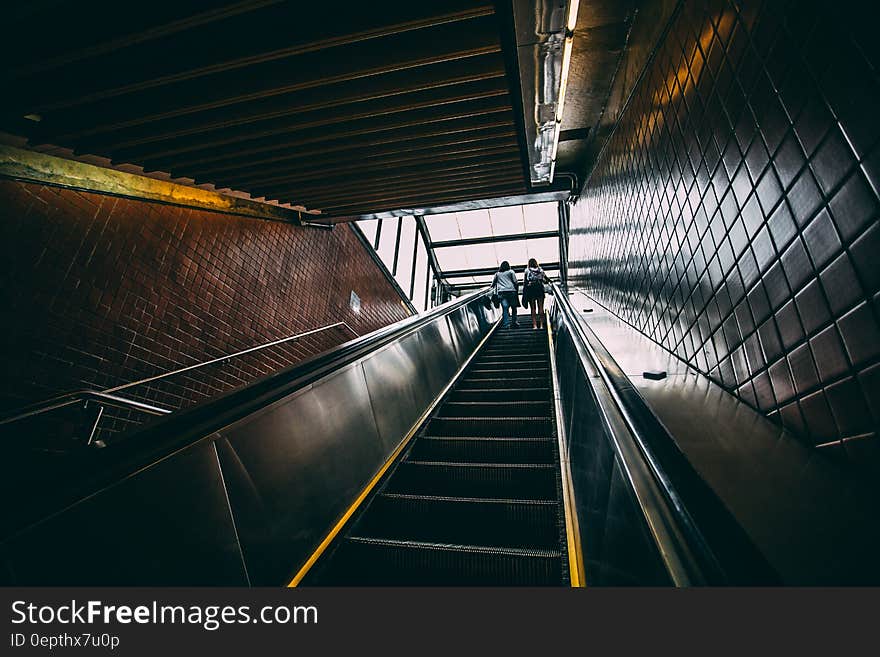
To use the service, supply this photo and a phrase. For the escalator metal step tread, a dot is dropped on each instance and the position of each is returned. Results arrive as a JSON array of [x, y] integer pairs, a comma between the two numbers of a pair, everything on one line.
[[535, 348], [451, 547], [511, 408], [482, 375], [528, 375], [387, 562], [526, 466], [513, 369], [515, 382], [491, 426], [538, 348], [501, 394], [479, 480], [435, 519], [500, 439], [514, 352], [505, 373], [505, 364], [523, 344], [476, 500], [504, 403], [481, 450]]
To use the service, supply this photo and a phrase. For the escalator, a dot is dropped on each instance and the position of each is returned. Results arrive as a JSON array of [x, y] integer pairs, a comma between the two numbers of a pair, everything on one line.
[[477, 498], [440, 450]]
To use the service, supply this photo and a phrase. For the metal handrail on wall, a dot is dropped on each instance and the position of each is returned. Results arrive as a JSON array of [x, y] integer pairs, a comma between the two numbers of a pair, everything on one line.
[[108, 397]]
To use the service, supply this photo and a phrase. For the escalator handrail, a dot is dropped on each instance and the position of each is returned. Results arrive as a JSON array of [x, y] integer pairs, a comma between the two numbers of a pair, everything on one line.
[[678, 557], [84, 473]]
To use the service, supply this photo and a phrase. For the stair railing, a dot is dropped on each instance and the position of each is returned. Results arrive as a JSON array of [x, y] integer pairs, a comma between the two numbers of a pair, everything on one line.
[[108, 397]]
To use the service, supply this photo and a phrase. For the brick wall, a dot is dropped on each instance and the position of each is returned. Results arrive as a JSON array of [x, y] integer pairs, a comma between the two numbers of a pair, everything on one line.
[[98, 291], [734, 215]]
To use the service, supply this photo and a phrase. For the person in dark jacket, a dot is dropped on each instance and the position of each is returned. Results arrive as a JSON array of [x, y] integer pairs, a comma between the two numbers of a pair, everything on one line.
[[506, 287], [533, 292]]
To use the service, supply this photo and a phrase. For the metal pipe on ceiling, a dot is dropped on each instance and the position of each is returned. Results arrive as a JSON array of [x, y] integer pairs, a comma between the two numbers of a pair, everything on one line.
[[545, 37]]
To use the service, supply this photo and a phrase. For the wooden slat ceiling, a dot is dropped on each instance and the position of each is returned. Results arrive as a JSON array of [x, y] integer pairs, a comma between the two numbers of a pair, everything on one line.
[[345, 107]]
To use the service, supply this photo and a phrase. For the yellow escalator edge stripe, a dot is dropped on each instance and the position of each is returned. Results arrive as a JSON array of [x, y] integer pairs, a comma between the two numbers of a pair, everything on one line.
[[572, 531]]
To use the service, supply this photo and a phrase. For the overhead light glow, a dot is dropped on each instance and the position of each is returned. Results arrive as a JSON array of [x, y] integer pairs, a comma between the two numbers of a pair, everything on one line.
[[566, 62], [572, 15]]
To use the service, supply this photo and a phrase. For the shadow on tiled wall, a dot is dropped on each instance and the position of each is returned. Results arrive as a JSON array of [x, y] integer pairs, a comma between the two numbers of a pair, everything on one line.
[[733, 215]]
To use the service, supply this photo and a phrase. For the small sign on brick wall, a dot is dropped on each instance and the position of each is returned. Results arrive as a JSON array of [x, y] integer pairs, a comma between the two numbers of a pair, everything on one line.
[[355, 302]]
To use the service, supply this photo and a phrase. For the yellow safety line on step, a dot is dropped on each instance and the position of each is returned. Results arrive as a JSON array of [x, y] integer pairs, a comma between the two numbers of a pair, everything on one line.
[[340, 524], [572, 531]]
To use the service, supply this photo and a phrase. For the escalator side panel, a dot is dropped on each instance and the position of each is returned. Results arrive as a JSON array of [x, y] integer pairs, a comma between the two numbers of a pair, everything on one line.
[[468, 329], [390, 378], [617, 548], [294, 468], [628, 554], [139, 532]]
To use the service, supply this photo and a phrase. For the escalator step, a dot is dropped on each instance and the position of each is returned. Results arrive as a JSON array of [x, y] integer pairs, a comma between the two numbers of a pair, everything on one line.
[[522, 481], [533, 427], [500, 361], [513, 356], [484, 450], [516, 346], [535, 373], [363, 560], [501, 523], [500, 382], [514, 349], [484, 394], [505, 340], [524, 328], [511, 408], [513, 370]]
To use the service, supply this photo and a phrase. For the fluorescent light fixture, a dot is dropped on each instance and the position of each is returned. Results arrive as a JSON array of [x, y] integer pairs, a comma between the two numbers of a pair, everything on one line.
[[566, 63], [572, 14], [553, 61]]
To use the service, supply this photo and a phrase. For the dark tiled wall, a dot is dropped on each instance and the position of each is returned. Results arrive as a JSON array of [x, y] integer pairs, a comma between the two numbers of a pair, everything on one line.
[[733, 215], [98, 291]]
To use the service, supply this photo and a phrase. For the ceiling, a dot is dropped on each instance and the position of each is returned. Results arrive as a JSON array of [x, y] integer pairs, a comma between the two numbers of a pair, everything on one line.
[[343, 109]]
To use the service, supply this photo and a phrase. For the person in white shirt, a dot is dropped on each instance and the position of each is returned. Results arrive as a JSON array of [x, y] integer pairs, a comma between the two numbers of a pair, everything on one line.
[[506, 287]]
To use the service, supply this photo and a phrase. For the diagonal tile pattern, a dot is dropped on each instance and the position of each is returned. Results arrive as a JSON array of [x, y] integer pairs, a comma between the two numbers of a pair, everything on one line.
[[733, 215]]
